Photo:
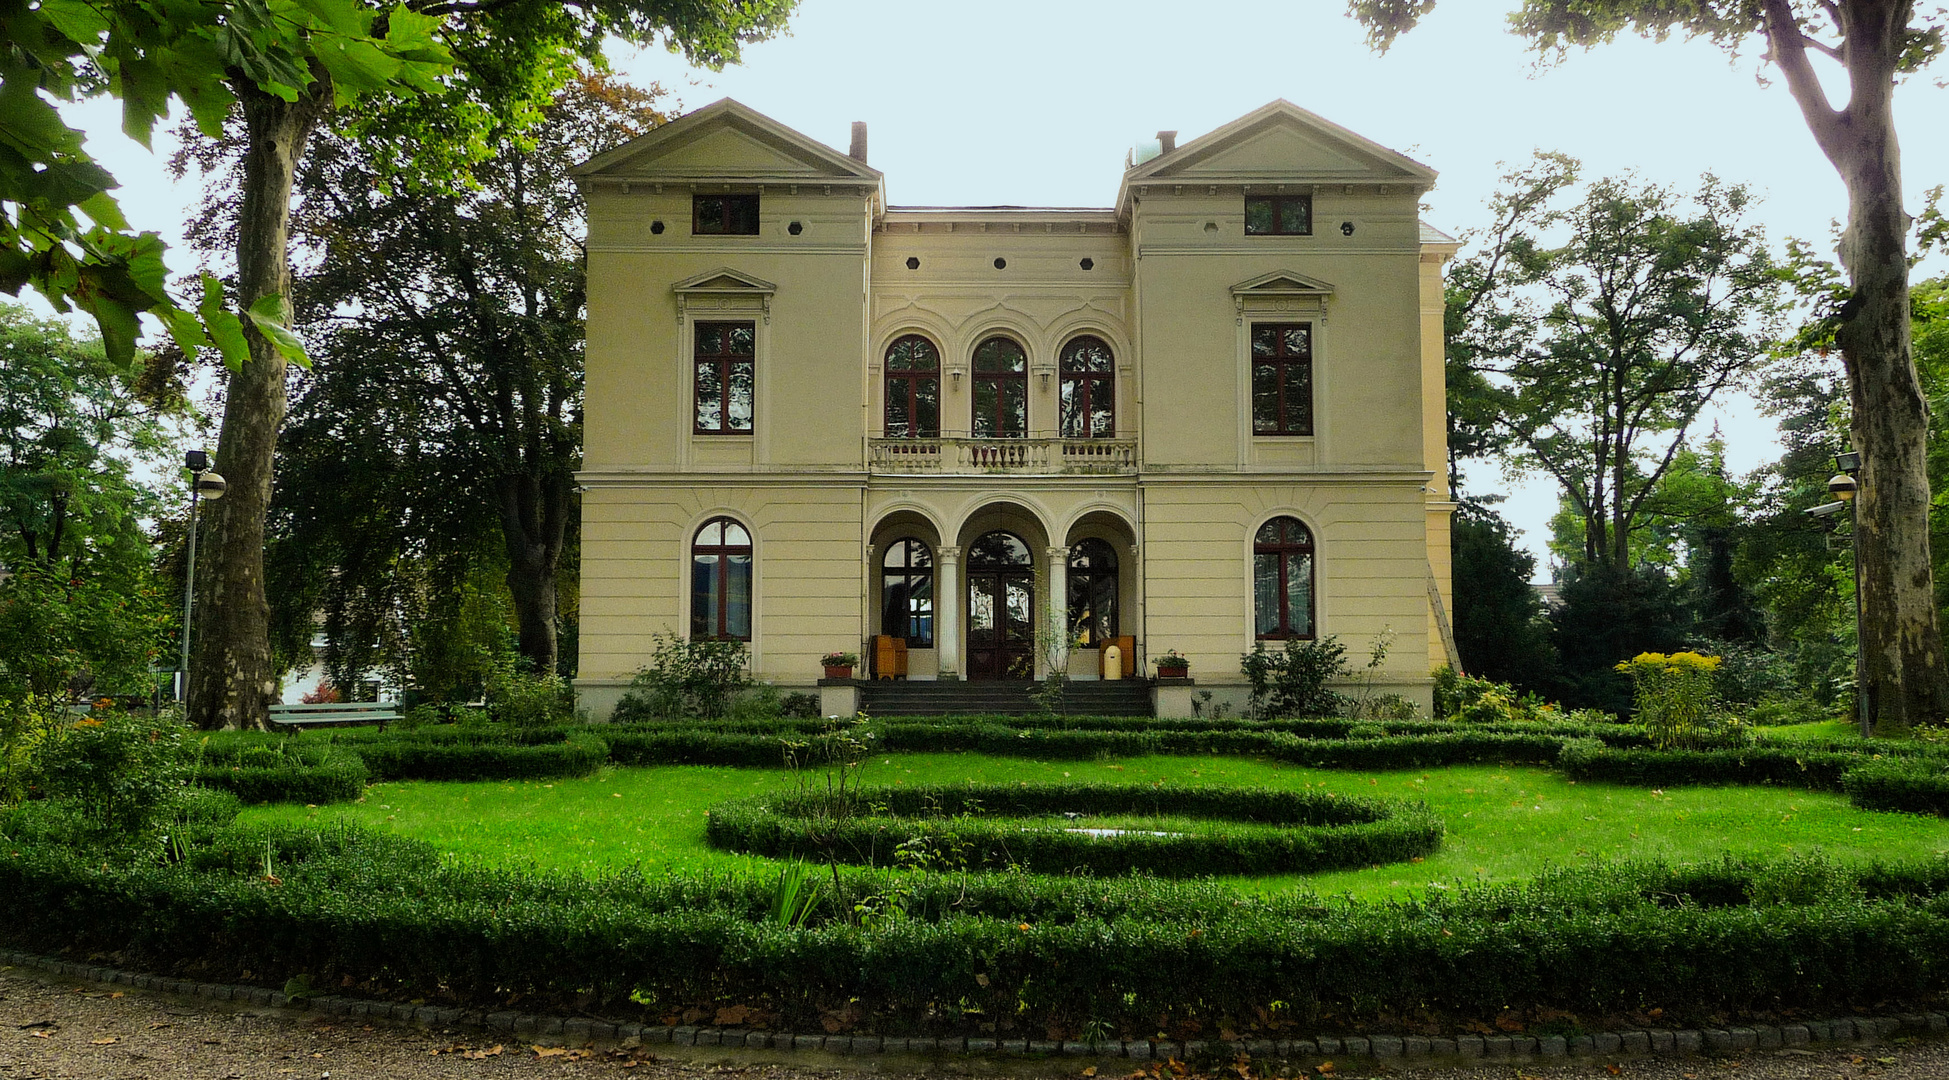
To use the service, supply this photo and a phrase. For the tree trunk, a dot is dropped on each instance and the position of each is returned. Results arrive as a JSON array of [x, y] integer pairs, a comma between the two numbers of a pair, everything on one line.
[[534, 523], [232, 678], [1901, 642]]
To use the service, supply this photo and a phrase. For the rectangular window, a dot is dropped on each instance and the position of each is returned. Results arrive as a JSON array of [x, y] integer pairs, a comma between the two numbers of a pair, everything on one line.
[[726, 369], [1278, 215], [1282, 378], [724, 215]]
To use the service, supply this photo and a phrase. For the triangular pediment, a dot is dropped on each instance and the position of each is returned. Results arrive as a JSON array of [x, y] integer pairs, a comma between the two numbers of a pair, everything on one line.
[[1282, 143], [1283, 283], [724, 280], [727, 141]]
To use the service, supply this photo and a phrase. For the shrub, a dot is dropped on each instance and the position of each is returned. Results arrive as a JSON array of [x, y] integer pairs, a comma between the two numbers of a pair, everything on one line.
[[119, 768], [1587, 759], [1481, 701], [1790, 710], [523, 698], [1253, 831], [697, 679], [1292, 682], [493, 758], [29, 724], [1915, 786], [1675, 698], [285, 769]]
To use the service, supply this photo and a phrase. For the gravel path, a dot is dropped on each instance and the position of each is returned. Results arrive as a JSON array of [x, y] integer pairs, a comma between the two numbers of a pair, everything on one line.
[[51, 1027]]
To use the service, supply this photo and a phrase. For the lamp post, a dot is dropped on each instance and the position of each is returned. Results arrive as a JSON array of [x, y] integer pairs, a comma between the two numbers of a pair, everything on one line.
[[1844, 486], [206, 485]]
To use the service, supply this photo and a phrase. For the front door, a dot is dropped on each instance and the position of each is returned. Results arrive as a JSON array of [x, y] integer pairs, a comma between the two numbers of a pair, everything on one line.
[[1001, 608], [1001, 624]]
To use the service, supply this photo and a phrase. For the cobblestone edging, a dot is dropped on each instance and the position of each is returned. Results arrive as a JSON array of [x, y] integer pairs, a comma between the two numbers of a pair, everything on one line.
[[1384, 1047]]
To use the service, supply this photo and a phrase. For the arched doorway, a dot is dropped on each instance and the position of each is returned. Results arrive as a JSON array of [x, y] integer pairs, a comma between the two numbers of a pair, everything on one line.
[[1001, 608]]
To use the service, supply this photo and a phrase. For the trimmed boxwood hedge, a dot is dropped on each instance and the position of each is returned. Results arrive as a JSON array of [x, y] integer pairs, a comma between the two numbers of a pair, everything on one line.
[[283, 770], [1915, 786], [577, 754], [1132, 955], [1252, 830]]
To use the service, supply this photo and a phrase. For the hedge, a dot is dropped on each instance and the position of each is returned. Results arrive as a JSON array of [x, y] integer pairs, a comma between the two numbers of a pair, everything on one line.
[[1585, 759], [996, 826], [283, 771], [356, 909], [1910, 786], [578, 754]]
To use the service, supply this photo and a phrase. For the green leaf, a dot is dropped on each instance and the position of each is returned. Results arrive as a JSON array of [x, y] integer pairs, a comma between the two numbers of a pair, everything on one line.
[[268, 316], [225, 329], [182, 326], [357, 67], [79, 22], [104, 211]]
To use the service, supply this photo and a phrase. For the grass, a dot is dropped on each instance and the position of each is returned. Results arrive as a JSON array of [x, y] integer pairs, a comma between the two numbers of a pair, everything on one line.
[[1504, 823]]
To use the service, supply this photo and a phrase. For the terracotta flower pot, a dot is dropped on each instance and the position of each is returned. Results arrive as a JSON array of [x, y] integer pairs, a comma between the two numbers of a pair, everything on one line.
[[839, 671], [1174, 672]]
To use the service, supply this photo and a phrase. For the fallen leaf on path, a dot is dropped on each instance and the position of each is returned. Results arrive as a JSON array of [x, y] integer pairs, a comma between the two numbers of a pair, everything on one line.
[[109, 1041]]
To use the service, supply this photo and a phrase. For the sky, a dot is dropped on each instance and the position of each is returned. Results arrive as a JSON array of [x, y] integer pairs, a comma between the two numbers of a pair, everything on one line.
[[1036, 103]]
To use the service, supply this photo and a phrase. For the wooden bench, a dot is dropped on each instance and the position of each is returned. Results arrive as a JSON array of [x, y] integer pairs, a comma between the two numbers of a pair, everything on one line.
[[343, 712]]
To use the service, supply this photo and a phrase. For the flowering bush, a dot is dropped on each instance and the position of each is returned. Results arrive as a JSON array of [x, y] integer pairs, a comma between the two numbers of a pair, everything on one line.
[[1172, 659], [1676, 701], [840, 659]]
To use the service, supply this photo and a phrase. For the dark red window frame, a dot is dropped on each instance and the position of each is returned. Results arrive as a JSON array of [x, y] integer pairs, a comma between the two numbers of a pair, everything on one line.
[[1293, 412], [1286, 539], [724, 363], [1287, 215], [905, 385], [1001, 381], [729, 214], [723, 552], [1092, 387]]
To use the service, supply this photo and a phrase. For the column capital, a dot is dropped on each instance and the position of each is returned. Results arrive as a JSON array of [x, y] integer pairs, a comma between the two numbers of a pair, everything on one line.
[[949, 551]]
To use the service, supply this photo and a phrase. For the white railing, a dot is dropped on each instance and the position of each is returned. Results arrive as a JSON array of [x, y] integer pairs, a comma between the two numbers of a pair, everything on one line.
[[968, 457]]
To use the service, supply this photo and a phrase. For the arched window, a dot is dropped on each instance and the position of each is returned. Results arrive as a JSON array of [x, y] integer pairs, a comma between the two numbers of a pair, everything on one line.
[[1282, 579], [907, 593], [1088, 406], [913, 389], [1092, 593], [720, 582], [1001, 389]]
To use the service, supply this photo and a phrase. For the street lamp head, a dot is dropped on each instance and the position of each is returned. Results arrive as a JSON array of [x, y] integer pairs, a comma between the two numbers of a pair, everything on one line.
[[211, 486], [1848, 461], [1827, 509], [1842, 486], [196, 460]]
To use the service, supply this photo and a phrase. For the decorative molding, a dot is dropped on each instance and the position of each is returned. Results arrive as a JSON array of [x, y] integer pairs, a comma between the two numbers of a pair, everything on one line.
[[1281, 292], [723, 289]]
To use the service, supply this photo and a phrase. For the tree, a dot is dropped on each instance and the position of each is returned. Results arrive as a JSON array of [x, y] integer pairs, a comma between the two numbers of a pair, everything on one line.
[[1499, 625], [1599, 351], [448, 329], [78, 597], [1875, 42], [506, 59]]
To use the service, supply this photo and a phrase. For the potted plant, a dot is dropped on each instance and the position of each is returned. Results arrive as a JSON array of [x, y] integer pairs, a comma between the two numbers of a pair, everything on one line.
[[840, 665], [1172, 665]]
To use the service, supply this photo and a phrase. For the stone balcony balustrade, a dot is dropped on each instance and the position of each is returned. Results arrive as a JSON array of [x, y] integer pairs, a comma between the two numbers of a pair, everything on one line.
[[1011, 457]]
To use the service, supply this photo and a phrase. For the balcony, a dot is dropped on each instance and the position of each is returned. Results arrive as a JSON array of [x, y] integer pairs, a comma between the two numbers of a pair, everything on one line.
[[1005, 457]]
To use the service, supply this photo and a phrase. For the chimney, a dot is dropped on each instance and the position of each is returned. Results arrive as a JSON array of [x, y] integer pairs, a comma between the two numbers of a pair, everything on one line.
[[858, 152], [1168, 140]]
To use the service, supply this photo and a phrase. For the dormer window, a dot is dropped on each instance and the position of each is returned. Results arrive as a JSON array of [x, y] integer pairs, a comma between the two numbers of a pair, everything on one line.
[[1278, 215], [724, 215]]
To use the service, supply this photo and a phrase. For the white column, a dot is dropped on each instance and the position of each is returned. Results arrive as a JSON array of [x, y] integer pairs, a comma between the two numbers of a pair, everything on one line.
[[947, 611], [1056, 607]]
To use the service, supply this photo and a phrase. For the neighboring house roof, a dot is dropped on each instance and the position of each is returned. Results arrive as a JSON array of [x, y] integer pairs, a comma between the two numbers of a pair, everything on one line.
[[1432, 235]]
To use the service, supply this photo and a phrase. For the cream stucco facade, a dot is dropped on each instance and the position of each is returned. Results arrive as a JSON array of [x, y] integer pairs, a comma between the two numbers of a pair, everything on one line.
[[754, 302]]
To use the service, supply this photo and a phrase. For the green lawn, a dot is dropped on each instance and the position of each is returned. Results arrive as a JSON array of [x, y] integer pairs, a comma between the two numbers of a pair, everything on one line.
[[1503, 822]]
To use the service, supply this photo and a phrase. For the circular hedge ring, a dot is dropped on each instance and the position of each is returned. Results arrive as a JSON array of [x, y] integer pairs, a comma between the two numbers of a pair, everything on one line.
[[1035, 827]]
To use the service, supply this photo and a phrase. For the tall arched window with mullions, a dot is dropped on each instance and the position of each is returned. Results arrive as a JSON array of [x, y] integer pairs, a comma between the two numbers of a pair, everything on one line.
[[1001, 389], [1088, 406], [1282, 579], [720, 582], [907, 593], [913, 389]]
